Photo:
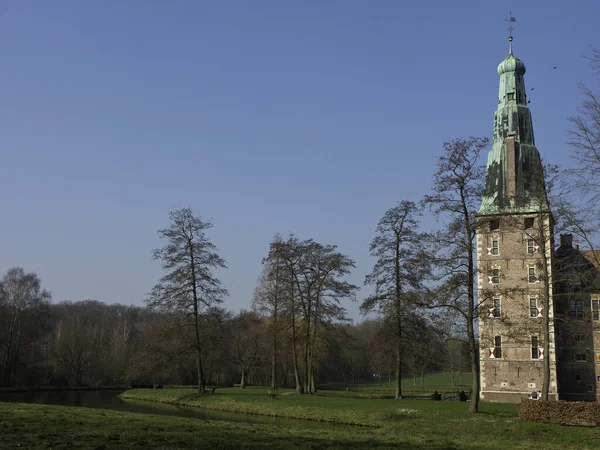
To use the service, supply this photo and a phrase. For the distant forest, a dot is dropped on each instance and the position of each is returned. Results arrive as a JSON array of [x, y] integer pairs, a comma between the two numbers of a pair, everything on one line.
[[94, 344]]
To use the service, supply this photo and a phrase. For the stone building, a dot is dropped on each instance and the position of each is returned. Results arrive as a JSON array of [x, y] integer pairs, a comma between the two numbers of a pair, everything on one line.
[[514, 254], [577, 297], [523, 282]]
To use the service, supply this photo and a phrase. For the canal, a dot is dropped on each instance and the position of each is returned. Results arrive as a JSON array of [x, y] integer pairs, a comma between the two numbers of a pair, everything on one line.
[[109, 399]]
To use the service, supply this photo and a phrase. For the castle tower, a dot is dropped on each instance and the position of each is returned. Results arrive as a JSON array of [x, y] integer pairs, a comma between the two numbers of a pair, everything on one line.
[[514, 254]]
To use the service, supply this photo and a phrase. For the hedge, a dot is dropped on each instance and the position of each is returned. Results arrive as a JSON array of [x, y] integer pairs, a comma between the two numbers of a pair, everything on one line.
[[582, 414]]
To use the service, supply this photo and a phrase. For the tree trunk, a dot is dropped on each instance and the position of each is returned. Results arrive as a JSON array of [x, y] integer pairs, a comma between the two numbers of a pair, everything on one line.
[[7, 358], [274, 359], [307, 349], [398, 312], [422, 379], [398, 372], [475, 368], [201, 383], [243, 380], [474, 406], [414, 378], [294, 343]]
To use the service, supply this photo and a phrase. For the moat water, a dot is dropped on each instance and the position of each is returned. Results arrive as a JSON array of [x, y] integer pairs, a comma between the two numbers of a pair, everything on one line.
[[109, 399]]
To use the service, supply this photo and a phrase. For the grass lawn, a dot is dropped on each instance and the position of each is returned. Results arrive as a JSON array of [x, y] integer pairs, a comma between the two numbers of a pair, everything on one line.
[[405, 423], [441, 382], [410, 424]]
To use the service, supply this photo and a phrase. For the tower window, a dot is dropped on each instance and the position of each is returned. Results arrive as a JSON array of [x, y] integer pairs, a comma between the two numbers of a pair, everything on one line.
[[590, 388], [496, 310], [498, 346], [532, 277], [494, 224], [535, 354], [494, 278], [510, 95], [533, 312], [581, 357], [530, 246], [529, 222], [595, 312], [495, 247]]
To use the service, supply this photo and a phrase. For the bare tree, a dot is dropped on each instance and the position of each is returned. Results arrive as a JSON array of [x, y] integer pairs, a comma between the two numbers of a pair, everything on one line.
[[189, 285], [77, 343], [248, 335], [316, 271], [457, 188], [399, 271], [584, 138], [268, 299], [21, 301]]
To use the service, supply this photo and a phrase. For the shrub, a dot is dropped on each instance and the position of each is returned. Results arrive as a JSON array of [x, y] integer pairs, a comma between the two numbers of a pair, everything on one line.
[[583, 414], [436, 396]]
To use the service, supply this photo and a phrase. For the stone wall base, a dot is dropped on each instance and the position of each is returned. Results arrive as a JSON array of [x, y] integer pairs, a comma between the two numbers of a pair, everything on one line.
[[509, 397]]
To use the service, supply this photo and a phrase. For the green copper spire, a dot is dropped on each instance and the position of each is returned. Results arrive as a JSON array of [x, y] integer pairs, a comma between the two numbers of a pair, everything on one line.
[[513, 165]]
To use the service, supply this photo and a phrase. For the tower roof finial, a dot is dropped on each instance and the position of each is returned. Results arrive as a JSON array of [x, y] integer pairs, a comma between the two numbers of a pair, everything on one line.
[[510, 21]]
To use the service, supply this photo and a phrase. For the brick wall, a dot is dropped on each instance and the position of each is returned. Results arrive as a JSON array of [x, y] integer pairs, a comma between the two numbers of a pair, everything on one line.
[[513, 250]]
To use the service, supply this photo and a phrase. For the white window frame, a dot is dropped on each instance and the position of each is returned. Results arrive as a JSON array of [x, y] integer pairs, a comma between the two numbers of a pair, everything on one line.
[[495, 274], [533, 308], [535, 349], [529, 275], [495, 249]]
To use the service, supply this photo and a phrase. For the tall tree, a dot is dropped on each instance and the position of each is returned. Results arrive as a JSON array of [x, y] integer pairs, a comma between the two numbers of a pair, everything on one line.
[[398, 273], [457, 189], [22, 302], [268, 299], [189, 285], [317, 272], [247, 329]]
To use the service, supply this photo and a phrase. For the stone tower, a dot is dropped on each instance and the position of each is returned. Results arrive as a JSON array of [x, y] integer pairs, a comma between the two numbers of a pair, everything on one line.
[[514, 254]]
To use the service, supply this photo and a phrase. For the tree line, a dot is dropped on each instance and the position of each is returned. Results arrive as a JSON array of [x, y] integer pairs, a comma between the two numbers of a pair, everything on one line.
[[90, 343]]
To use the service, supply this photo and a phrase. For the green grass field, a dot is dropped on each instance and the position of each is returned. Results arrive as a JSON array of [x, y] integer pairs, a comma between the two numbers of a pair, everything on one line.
[[390, 424], [441, 382]]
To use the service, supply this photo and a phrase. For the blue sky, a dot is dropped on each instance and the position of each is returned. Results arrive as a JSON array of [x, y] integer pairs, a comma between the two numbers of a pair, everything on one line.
[[311, 117]]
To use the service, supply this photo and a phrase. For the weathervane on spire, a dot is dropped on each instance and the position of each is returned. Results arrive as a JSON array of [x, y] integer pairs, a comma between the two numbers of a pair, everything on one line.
[[510, 21]]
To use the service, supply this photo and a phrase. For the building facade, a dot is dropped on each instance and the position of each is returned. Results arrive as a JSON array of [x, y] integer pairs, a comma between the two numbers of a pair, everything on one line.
[[514, 254], [577, 298]]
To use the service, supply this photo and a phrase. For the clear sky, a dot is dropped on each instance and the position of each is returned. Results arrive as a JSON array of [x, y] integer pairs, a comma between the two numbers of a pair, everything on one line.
[[310, 117]]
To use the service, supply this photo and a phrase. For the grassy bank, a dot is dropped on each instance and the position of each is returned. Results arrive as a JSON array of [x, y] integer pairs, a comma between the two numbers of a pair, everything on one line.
[[46, 426], [416, 424], [351, 408]]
